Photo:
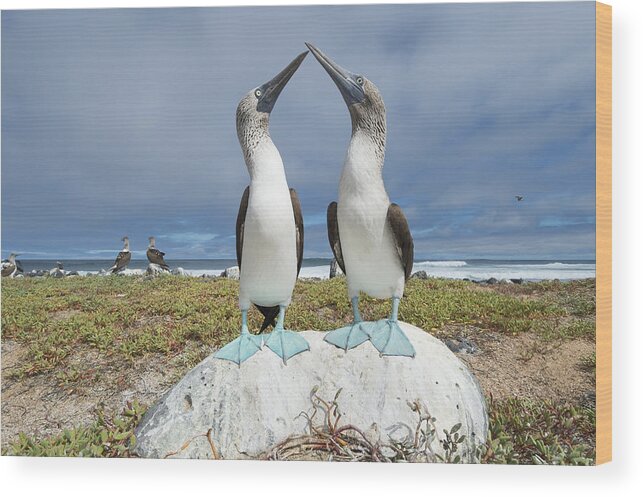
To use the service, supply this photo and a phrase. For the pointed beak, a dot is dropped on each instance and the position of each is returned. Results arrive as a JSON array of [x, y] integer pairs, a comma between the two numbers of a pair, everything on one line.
[[270, 91], [345, 80]]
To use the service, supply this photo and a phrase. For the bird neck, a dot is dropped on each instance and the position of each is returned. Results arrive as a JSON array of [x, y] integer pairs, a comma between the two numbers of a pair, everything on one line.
[[252, 132], [370, 122], [126, 245], [263, 161], [364, 161]]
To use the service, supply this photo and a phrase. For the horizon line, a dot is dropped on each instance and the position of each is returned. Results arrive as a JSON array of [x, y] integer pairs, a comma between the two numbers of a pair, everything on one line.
[[417, 259]]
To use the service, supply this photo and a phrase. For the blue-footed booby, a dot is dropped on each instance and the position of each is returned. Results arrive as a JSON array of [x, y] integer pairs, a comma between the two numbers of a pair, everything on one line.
[[11, 267], [270, 228], [123, 258], [155, 256], [368, 234]]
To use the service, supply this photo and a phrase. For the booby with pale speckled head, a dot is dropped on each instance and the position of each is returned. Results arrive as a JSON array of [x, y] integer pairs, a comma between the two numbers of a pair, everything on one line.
[[368, 234], [270, 228]]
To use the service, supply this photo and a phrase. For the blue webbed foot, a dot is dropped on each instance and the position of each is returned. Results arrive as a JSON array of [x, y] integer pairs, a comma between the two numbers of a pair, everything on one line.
[[389, 339], [240, 349], [351, 336], [286, 343]]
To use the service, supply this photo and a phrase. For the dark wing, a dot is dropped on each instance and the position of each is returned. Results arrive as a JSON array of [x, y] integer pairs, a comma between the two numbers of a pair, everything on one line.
[[122, 260], [299, 225], [241, 221], [155, 256], [269, 313], [402, 236], [8, 269], [333, 234], [19, 267]]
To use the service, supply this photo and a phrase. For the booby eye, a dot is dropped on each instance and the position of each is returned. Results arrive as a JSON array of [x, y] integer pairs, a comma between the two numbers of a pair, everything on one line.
[[359, 80], [257, 93]]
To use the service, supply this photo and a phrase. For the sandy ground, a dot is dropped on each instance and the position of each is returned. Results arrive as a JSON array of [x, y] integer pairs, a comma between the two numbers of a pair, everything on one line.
[[525, 367], [43, 405]]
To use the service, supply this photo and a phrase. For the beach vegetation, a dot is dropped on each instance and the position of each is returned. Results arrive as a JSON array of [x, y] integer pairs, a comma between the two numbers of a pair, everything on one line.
[[132, 316], [520, 432], [107, 436], [178, 321]]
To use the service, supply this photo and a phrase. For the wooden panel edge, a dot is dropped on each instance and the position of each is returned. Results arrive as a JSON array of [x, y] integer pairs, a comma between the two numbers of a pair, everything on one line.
[[603, 233]]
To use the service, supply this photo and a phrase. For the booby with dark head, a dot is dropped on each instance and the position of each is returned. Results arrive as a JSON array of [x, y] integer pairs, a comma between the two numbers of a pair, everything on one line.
[[368, 234], [155, 256], [270, 228], [11, 267], [123, 258]]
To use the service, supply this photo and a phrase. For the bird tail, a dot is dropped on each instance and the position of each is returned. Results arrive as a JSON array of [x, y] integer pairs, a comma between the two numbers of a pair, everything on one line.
[[269, 316]]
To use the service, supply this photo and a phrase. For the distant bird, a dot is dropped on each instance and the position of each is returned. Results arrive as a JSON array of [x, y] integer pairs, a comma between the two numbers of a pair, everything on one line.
[[11, 267], [123, 258], [270, 228], [368, 234], [519, 197], [155, 256]]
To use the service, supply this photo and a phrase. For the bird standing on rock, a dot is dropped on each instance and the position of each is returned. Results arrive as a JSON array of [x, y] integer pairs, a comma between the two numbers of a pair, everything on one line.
[[123, 258], [155, 256], [270, 228], [368, 234]]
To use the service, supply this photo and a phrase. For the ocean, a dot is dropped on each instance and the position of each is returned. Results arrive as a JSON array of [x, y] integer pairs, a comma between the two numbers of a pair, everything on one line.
[[475, 269]]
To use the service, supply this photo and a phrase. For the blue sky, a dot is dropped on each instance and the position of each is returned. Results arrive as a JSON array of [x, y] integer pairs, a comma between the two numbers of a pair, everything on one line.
[[122, 122]]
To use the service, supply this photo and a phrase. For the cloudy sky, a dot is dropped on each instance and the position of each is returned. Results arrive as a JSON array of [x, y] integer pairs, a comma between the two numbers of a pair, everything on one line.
[[122, 122]]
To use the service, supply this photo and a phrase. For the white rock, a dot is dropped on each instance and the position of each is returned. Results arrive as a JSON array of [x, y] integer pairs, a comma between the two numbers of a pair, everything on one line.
[[253, 407], [179, 271], [231, 272], [135, 272], [155, 270]]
